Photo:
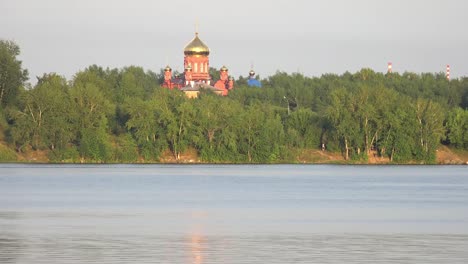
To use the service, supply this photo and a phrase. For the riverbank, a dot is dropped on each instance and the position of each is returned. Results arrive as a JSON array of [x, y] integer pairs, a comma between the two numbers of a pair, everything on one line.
[[445, 156]]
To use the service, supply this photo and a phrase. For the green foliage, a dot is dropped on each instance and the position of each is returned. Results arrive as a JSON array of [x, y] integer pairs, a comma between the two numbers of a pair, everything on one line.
[[143, 124], [67, 154], [134, 82], [457, 128], [119, 115], [365, 118], [429, 117], [95, 145], [44, 119], [304, 129], [3, 122], [214, 73], [397, 140], [174, 115], [214, 131], [12, 76], [125, 149], [260, 134], [7, 154], [92, 109]]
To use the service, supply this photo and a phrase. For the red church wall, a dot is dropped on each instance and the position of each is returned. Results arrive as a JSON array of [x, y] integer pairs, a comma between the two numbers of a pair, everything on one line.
[[196, 70], [200, 67], [223, 83]]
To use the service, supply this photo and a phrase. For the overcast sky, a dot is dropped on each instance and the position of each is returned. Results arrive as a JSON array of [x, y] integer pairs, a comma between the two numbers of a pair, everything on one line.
[[311, 37]]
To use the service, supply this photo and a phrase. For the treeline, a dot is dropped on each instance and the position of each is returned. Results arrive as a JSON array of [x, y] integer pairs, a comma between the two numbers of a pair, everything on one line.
[[123, 115], [401, 116]]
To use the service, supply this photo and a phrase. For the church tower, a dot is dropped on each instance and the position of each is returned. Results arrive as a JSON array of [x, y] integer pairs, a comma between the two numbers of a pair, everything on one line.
[[197, 60], [167, 77]]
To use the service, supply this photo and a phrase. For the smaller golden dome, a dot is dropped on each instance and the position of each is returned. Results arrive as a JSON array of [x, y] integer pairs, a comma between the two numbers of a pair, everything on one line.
[[168, 68], [224, 69], [196, 47]]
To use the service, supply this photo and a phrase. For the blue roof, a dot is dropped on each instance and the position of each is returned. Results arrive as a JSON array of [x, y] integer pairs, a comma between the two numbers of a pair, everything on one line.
[[254, 83]]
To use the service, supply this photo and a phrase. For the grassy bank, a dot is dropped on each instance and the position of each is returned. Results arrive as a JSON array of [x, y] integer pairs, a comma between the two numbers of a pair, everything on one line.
[[445, 156]]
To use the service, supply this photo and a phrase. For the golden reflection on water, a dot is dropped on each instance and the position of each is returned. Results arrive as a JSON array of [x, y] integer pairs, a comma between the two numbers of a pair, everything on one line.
[[196, 248], [196, 238]]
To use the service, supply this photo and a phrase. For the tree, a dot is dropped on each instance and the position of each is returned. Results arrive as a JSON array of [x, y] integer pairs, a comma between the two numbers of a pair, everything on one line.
[[304, 128], [92, 123], [340, 114], [143, 124], [214, 127], [260, 133], [12, 76], [457, 128], [464, 93], [105, 80], [125, 149], [214, 74], [429, 116], [397, 137], [175, 115], [45, 118]]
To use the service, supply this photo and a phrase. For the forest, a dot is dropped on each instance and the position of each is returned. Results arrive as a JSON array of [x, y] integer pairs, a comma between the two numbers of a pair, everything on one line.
[[104, 115]]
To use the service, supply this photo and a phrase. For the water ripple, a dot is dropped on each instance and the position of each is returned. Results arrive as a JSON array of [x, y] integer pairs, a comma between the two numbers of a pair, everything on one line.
[[344, 248]]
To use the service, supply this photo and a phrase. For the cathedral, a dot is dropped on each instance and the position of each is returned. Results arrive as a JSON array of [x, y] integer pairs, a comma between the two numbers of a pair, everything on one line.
[[196, 72], [252, 81]]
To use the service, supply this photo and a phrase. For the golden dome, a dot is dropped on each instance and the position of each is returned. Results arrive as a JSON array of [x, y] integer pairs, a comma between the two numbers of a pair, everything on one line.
[[196, 47]]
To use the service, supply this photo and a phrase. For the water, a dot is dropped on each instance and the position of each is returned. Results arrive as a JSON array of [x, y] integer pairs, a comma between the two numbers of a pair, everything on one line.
[[233, 214]]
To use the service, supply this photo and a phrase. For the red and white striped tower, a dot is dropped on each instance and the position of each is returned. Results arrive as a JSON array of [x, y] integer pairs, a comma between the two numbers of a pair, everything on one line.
[[447, 73], [389, 67]]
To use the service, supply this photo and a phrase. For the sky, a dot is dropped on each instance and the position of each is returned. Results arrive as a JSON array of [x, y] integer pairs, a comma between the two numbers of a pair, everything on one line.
[[306, 36]]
